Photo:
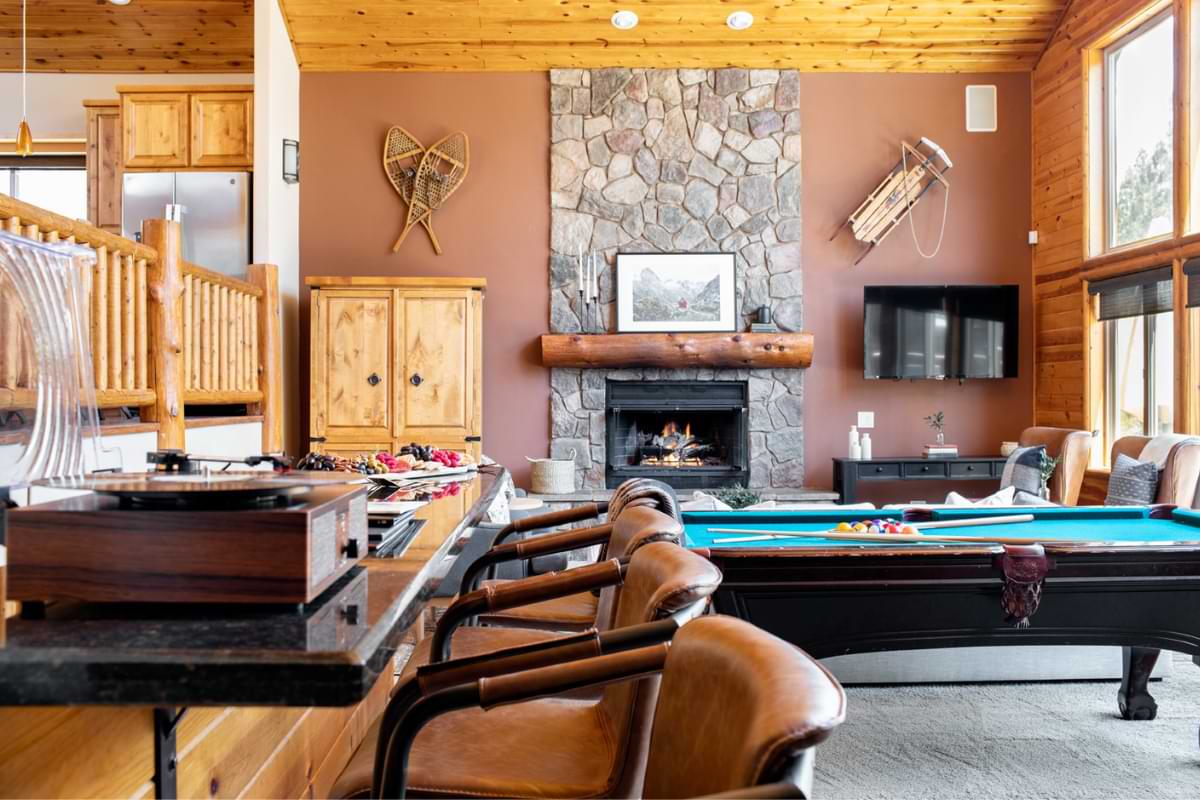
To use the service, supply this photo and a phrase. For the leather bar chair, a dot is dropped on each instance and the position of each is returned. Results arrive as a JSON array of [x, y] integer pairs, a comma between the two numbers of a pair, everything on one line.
[[1074, 447], [633, 526], [665, 586], [739, 713]]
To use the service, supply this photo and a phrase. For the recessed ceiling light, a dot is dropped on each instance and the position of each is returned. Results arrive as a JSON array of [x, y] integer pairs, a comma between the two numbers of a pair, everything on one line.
[[119, 2], [740, 20], [624, 20]]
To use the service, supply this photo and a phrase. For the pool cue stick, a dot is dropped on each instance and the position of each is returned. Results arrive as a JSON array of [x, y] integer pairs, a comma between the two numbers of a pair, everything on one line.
[[1006, 519], [842, 536], [767, 535]]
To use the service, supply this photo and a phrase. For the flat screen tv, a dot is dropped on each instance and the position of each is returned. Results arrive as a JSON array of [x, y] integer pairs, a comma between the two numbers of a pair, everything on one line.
[[940, 332]]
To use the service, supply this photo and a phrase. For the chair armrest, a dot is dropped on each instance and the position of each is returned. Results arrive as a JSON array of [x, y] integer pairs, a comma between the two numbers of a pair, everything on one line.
[[396, 743], [501, 597], [552, 519], [432, 678], [562, 542]]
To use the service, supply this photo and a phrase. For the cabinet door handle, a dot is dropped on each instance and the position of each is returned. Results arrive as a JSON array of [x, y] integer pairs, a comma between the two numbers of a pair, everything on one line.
[[416, 379], [924, 469], [879, 469], [373, 379], [970, 468]]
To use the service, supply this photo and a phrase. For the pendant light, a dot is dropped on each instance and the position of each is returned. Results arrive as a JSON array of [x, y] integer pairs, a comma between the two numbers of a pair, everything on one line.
[[24, 136]]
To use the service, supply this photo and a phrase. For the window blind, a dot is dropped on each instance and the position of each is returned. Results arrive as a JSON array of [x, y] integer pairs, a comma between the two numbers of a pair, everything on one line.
[[1191, 268], [1147, 292]]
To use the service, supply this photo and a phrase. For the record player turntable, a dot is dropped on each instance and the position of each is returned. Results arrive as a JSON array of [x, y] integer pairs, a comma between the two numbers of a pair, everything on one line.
[[184, 532]]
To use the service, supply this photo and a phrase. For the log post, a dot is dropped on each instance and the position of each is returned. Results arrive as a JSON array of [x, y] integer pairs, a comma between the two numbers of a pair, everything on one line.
[[165, 283], [270, 354]]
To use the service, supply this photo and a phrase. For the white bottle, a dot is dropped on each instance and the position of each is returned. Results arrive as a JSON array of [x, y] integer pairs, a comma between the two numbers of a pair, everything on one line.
[[865, 445], [855, 446]]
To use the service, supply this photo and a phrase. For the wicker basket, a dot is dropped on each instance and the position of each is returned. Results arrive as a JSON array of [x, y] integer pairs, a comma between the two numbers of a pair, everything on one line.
[[553, 475]]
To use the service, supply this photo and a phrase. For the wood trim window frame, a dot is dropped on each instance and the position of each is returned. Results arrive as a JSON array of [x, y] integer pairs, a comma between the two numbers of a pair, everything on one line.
[[1100, 262]]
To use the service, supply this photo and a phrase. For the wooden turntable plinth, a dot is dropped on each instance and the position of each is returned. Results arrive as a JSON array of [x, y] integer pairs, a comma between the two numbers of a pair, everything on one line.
[[95, 548]]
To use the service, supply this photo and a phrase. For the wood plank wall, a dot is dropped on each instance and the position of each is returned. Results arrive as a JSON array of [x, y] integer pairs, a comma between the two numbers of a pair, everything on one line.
[[1060, 211]]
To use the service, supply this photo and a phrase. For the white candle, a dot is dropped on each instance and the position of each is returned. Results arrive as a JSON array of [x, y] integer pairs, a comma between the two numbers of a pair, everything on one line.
[[579, 269], [595, 276]]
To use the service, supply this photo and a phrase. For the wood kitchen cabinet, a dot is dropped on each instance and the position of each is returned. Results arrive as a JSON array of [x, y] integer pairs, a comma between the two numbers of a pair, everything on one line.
[[222, 129], [155, 129], [104, 163], [187, 127], [395, 360]]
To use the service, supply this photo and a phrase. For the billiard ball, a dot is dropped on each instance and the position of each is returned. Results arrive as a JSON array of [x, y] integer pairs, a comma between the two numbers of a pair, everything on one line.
[[844, 527], [860, 527], [909, 529]]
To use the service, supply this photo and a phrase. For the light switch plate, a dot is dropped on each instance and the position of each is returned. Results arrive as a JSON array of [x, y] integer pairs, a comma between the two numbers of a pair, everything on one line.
[[866, 419]]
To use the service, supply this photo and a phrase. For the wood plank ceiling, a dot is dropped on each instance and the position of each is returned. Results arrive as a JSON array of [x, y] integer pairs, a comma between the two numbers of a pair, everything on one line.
[[526, 35], [144, 36]]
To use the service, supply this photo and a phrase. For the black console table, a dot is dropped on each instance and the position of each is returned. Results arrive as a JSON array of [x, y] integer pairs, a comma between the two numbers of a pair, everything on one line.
[[848, 473]]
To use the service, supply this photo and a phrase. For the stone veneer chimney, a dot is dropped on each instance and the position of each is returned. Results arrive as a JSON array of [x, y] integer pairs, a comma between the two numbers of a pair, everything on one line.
[[678, 161]]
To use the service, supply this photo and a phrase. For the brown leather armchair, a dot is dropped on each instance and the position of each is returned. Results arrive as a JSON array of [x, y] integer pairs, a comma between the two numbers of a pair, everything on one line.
[[1178, 480], [603, 739], [1075, 449], [739, 712]]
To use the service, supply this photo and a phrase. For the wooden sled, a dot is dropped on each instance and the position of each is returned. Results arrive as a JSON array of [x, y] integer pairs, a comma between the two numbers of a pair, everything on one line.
[[893, 200]]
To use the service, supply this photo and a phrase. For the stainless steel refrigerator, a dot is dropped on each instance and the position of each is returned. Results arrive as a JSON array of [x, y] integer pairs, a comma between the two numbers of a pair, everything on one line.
[[214, 210]]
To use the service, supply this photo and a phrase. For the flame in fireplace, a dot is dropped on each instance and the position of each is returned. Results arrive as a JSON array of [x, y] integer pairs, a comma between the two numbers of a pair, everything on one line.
[[674, 446]]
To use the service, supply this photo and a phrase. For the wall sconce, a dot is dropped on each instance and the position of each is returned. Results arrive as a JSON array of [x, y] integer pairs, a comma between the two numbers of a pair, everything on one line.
[[291, 161]]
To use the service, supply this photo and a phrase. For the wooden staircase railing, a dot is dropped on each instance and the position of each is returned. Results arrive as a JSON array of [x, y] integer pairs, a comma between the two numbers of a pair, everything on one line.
[[164, 332]]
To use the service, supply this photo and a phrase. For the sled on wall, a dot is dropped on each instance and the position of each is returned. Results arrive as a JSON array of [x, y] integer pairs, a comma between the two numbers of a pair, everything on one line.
[[893, 199]]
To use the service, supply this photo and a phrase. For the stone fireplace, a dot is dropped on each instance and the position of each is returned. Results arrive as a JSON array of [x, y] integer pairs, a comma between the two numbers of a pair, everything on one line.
[[691, 434], [678, 161]]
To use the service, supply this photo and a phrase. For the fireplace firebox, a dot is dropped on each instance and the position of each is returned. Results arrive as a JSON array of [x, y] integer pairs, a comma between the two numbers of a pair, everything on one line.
[[690, 434]]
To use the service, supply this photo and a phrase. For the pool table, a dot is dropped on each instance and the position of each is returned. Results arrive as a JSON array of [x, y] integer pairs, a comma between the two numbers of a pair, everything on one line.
[[1126, 576]]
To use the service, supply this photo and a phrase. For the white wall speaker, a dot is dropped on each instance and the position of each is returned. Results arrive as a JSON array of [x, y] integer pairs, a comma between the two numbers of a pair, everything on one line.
[[981, 109]]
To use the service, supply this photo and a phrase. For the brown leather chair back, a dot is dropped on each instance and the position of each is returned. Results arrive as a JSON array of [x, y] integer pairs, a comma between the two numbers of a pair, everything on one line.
[[663, 579], [737, 708], [1177, 483], [637, 526], [1075, 449]]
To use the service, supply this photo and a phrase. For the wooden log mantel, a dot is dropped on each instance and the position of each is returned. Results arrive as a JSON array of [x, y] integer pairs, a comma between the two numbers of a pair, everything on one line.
[[675, 350]]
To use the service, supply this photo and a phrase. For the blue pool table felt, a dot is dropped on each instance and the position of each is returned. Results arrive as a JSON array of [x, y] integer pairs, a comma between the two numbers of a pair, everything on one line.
[[1100, 524]]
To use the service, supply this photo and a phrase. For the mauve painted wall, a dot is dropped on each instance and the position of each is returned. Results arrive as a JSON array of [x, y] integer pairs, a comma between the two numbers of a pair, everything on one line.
[[851, 128], [497, 225]]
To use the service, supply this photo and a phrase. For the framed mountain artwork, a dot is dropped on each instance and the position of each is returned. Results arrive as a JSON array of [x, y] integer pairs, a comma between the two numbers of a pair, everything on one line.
[[675, 292]]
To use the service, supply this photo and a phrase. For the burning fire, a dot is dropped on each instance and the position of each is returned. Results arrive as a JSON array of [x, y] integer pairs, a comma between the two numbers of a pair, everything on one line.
[[677, 448]]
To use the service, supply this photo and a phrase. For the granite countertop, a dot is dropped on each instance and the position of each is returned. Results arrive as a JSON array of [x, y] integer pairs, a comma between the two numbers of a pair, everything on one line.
[[327, 653]]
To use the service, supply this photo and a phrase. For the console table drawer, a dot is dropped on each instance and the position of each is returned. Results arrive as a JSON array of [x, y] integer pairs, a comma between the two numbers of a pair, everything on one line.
[[930, 470], [879, 471], [971, 469]]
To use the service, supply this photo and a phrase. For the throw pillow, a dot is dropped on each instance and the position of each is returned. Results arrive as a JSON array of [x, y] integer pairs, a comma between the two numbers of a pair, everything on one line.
[[1027, 499], [1132, 482], [1023, 470], [1004, 497]]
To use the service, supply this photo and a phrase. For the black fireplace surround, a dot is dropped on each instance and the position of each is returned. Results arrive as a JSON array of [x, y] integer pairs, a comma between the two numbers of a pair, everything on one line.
[[690, 434]]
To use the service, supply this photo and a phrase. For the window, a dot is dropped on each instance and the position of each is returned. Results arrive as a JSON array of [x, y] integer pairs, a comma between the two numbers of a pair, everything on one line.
[[1191, 271], [1137, 315], [1138, 127], [53, 183]]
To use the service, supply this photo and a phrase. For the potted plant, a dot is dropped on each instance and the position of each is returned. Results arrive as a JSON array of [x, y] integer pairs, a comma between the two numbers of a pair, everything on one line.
[[1046, 468], [937, 421]]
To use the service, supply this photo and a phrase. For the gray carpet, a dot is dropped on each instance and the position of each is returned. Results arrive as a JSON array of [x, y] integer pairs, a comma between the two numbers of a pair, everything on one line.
[[1046, 740]]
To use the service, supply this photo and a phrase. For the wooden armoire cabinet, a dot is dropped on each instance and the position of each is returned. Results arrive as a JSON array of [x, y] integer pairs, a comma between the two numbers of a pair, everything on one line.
[[393, 361]]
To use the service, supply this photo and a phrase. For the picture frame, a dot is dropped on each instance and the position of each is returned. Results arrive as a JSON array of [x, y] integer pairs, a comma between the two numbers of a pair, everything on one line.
[[676, 293]]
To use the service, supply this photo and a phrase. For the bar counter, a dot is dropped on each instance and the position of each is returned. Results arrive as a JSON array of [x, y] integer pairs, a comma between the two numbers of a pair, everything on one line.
[[331, 652]]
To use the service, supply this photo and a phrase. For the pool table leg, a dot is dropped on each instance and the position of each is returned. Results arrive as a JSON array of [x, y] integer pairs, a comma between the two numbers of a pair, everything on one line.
[[1134, 698]]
